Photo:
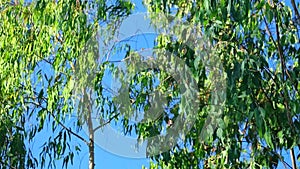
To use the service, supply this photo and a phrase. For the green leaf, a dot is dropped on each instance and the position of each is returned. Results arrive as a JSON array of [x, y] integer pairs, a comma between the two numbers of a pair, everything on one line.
[[268, 139], [77, 148], [220, 133], [206, 5], [269, 14]]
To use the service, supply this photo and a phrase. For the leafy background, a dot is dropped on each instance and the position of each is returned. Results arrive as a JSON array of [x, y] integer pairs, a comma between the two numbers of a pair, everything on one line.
[[257, 43]]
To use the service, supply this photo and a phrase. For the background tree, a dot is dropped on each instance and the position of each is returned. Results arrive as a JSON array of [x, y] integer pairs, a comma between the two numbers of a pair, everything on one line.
[[258, 45], [257, 42], [40, 44]]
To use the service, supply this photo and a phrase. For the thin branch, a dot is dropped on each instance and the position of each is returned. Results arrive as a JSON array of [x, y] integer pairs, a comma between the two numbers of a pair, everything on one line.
[[285, 164], [296, 10], [59, 122], [278, 46], [115, 61], [269, 32], [107, 122], [68, 129], [283, 67], [279, 156]]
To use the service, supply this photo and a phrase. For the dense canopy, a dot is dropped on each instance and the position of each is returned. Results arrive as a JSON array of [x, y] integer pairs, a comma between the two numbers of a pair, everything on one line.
[[237, 92]]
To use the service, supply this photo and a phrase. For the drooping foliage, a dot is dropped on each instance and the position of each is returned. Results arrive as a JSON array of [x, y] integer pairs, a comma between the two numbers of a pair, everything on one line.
[[257, 43], [40, 42]]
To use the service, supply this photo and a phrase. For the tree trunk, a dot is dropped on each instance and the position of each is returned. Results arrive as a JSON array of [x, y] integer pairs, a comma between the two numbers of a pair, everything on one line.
[[91, 142], [292, 154]]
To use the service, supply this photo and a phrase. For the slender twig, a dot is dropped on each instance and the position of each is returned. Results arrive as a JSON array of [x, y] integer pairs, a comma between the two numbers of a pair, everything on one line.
[[278, 46], [283, 67], [285, 164], [59, 122], [107, 122], [269, 32], [296, 10], [282, 59], [68, 129]]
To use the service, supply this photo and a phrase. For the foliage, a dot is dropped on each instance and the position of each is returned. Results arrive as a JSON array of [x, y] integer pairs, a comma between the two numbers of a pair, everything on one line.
[[257, 43], [40, 42]]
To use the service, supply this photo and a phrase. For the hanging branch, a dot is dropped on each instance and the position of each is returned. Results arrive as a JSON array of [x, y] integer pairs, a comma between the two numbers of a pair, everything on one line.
[[107, 122], [296, 10], [283, 67], [59, 122]]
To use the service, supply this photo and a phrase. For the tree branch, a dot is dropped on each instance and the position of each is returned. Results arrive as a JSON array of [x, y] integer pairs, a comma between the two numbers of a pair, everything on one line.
[[269, 32], [59, 122], [68, 129], [278, 46], [296, 10], [107, 122], [283, 67], [285, 164]]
